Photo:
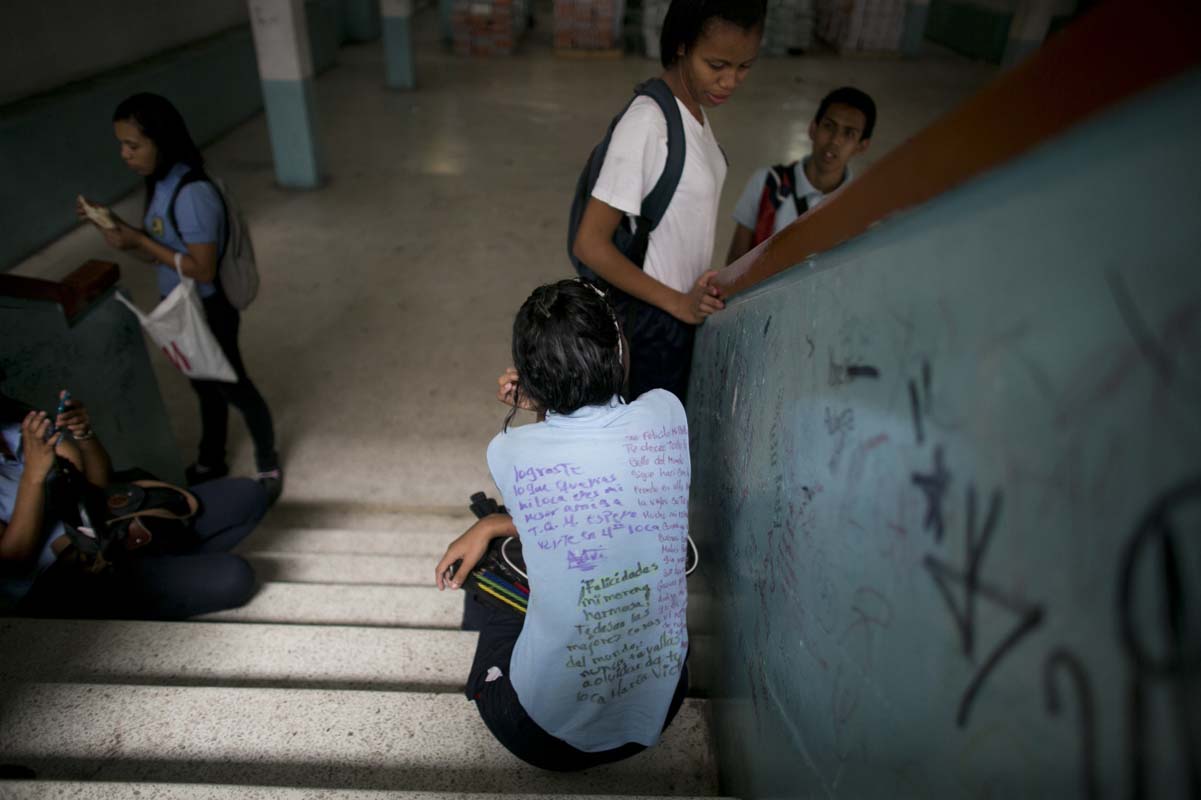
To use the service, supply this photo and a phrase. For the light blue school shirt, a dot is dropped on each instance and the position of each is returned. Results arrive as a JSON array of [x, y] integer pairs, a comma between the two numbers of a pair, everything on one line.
[[16, 580], [200, 216], [600, 500]]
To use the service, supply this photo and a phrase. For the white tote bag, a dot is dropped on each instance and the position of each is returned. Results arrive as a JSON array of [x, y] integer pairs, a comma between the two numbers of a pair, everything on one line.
[[178, 327]]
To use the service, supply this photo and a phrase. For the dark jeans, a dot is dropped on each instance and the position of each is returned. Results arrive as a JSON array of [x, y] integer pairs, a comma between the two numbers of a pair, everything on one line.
[[660, 348], [502, 713], [217, 396], [209, 578]]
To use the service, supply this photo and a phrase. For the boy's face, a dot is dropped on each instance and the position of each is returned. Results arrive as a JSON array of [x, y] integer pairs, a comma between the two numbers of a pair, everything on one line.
[[837, 138]]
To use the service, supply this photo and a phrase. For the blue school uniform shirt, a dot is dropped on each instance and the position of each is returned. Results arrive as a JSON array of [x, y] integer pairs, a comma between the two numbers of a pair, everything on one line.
[[16, 580], [600, 501], [199, 215]]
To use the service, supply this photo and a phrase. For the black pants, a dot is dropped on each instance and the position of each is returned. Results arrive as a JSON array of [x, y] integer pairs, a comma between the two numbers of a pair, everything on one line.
[[217, 396], [660, 348], [209, 578], [503, 715]]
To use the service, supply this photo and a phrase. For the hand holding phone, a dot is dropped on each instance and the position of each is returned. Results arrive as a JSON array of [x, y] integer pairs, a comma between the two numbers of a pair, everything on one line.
[[64, 397]]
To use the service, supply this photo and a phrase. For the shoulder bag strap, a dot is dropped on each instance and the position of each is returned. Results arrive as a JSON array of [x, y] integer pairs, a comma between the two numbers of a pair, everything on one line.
[[194, 176], [654, 205], [802, 205]]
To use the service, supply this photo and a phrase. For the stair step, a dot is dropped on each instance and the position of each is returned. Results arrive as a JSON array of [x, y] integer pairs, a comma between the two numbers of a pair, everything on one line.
[[394, 606], [344, 568], [78, 790], [357, 516], [254, 654], [316, 738], [271, 539], [349, 604], [215, 654]]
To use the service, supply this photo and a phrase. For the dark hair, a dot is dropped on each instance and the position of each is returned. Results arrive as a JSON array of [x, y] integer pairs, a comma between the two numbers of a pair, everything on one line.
[[686, 21], [566, 347], [12, 411], [856, 99], [160, 122]]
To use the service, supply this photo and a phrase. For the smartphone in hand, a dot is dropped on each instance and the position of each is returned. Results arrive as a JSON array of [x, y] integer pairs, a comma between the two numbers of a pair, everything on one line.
[[63, 399]]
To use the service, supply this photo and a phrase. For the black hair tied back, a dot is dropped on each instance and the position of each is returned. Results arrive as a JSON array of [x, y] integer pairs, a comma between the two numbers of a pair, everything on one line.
[[567, 348]]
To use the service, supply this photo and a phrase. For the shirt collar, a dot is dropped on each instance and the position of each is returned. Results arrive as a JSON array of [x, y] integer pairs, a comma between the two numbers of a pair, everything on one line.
[[585, 414], [175, 174], [806, 189]]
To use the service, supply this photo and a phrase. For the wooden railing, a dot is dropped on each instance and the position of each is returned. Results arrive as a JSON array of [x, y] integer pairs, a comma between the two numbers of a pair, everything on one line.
[[1119, 49], [75, 293]]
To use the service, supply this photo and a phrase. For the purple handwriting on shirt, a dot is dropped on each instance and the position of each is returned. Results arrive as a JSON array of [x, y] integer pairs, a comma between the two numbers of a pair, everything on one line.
[[585, 560]]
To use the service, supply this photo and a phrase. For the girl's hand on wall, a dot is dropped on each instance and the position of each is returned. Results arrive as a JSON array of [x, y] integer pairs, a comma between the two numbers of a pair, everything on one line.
[[703, 299]]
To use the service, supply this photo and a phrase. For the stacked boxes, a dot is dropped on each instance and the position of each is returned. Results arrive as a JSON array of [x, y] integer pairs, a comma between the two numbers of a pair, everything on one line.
[[586, 24], [866, 26], [487, 27], [790, 26], [653, 12]]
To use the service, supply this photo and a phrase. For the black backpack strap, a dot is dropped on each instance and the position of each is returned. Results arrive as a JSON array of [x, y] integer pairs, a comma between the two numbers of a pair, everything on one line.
[[654, 205], [801, 205], [197, 176]]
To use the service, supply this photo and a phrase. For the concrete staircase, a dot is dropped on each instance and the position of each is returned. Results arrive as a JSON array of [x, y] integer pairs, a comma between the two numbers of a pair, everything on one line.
[[342, 678]]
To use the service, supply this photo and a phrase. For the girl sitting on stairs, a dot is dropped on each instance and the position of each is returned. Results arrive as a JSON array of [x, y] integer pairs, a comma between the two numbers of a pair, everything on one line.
[[597, 491], [41, 577]]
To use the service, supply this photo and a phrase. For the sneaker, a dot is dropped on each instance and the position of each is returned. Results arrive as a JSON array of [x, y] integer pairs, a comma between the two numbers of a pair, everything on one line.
[[199, 473], [272, 482]]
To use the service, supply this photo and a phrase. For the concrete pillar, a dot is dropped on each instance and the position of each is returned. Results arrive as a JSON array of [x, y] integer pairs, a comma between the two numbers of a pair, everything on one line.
[[1029, 28], [446, 10], [916, 14], [362, 20], [398, 43], [281, 42]]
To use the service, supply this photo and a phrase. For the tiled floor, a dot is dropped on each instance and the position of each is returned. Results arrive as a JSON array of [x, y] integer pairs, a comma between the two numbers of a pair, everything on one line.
[[388, 294]]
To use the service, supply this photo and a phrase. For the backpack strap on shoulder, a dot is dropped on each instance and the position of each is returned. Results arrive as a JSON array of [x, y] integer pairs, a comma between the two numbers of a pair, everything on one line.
[[654, 205], [801, 205], [196, 176]]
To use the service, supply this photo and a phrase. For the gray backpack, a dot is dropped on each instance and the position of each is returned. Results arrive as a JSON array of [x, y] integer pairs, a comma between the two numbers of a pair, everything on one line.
[[237, 271]]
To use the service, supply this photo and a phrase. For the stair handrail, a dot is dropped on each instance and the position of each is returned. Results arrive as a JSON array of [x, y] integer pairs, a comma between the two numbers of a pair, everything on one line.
[[75, 293], [1113, 52]]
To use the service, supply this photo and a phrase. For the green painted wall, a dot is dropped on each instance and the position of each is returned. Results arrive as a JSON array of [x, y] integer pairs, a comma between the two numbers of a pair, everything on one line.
[[102, 360], [970, 29], [947, 488], [59, 144]]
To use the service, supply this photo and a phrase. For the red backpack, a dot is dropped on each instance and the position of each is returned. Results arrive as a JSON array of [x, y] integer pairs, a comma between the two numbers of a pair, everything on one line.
[[779, 185]]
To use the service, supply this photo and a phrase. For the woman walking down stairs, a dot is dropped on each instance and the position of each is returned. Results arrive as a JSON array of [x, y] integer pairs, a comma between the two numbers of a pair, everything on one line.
[[343, 675]]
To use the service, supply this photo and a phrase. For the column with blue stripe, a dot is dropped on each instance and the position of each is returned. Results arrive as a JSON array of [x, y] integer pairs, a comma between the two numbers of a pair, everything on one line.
[[916, 14], [398, 43], [1029, 28], [281, 43]]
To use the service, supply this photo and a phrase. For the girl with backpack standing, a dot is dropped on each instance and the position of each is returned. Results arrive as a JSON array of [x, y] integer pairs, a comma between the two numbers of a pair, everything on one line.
[[706, 48], [186, 228]]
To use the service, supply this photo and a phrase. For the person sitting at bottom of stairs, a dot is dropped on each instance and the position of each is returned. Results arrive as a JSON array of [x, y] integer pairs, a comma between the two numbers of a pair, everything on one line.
[[43, 575], [596, 668]]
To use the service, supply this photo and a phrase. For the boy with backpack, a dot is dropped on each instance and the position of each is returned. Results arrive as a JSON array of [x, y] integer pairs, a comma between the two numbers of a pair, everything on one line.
[[775, 197], [646, 209]]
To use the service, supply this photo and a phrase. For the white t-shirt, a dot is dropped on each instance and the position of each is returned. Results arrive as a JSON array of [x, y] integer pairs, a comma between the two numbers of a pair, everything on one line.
[[746, 213], [681, 247]]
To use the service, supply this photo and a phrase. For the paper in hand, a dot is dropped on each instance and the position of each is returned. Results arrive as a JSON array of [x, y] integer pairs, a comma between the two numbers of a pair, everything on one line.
[[97, 214]]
